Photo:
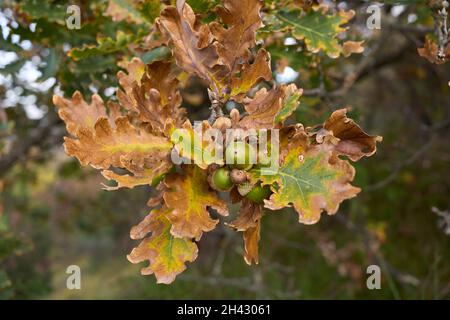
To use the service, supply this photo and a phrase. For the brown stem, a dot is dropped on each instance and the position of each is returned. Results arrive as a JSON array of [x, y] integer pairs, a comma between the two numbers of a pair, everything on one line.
[[216, 107]]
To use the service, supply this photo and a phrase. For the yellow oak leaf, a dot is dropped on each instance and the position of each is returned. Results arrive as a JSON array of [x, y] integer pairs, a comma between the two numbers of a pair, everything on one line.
[[189, 197], [167, 254]]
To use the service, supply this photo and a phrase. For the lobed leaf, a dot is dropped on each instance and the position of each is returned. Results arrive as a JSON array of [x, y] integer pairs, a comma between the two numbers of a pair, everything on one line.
[[77, 113], [318, 30], [312, 179], [189, 197], [192, 44], [151, 92], [105, 146], [167, 254], [270, 107], [249, 222], [242, 19], [351, 140]]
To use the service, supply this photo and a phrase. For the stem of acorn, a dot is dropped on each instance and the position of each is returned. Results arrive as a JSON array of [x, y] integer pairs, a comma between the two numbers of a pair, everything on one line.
[[216, 107]]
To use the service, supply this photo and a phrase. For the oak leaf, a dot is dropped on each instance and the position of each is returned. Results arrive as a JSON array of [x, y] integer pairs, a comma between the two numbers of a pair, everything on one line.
[[270, 107], [77, 113], [219, 55], [105, 146], [319, 30], [351, 140], [430, 51], [242, 18], [194, 144], [145, 171], [151, 91], [312, 179], [251, 74], [189, 197], [192, 44], [248, 221], [167, 254]]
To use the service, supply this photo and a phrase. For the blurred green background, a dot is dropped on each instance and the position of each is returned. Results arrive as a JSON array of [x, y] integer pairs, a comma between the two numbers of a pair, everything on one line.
[[53, 213]]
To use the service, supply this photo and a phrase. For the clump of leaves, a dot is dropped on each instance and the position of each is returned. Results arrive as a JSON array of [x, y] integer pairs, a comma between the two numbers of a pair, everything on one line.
[[139, 133]]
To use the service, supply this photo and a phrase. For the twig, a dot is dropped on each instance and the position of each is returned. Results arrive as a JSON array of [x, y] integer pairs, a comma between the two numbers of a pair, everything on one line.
[[440, 15], [216, 107]]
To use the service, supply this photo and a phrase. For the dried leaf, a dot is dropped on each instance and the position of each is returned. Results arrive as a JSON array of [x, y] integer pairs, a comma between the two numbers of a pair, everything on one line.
[[242, 18], [106, 146], [270, 107], [144, 173], [251, 74], [192, 44], [77, 113], [430, 51], [189, 197], [167, 254], [248, 221], [350, 47], [352, 140], [251, 240], [248, 216], [219, 55], [151, 92]]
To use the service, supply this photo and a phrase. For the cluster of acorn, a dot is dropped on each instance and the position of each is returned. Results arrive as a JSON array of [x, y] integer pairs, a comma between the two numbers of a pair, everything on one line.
[[234, 174]]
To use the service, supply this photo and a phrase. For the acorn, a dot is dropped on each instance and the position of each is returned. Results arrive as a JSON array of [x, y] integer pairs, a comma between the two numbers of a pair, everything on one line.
[[220, 180]]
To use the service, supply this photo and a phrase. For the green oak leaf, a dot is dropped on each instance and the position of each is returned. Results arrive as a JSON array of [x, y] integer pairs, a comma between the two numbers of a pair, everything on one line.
[[290, 103], [319, 31], [311, 179], [106, 45]]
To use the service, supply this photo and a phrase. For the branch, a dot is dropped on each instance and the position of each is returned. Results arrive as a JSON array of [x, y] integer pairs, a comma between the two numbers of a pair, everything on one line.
[[39, 136]]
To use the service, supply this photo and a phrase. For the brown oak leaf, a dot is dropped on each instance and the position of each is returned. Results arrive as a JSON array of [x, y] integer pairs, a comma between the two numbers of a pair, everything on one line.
[[151, 91], [430, 51], [351, 140], [105, 146], [192, 44], [251, 74], [266, 105], [77, 113], [248, 221], [242, 18]]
